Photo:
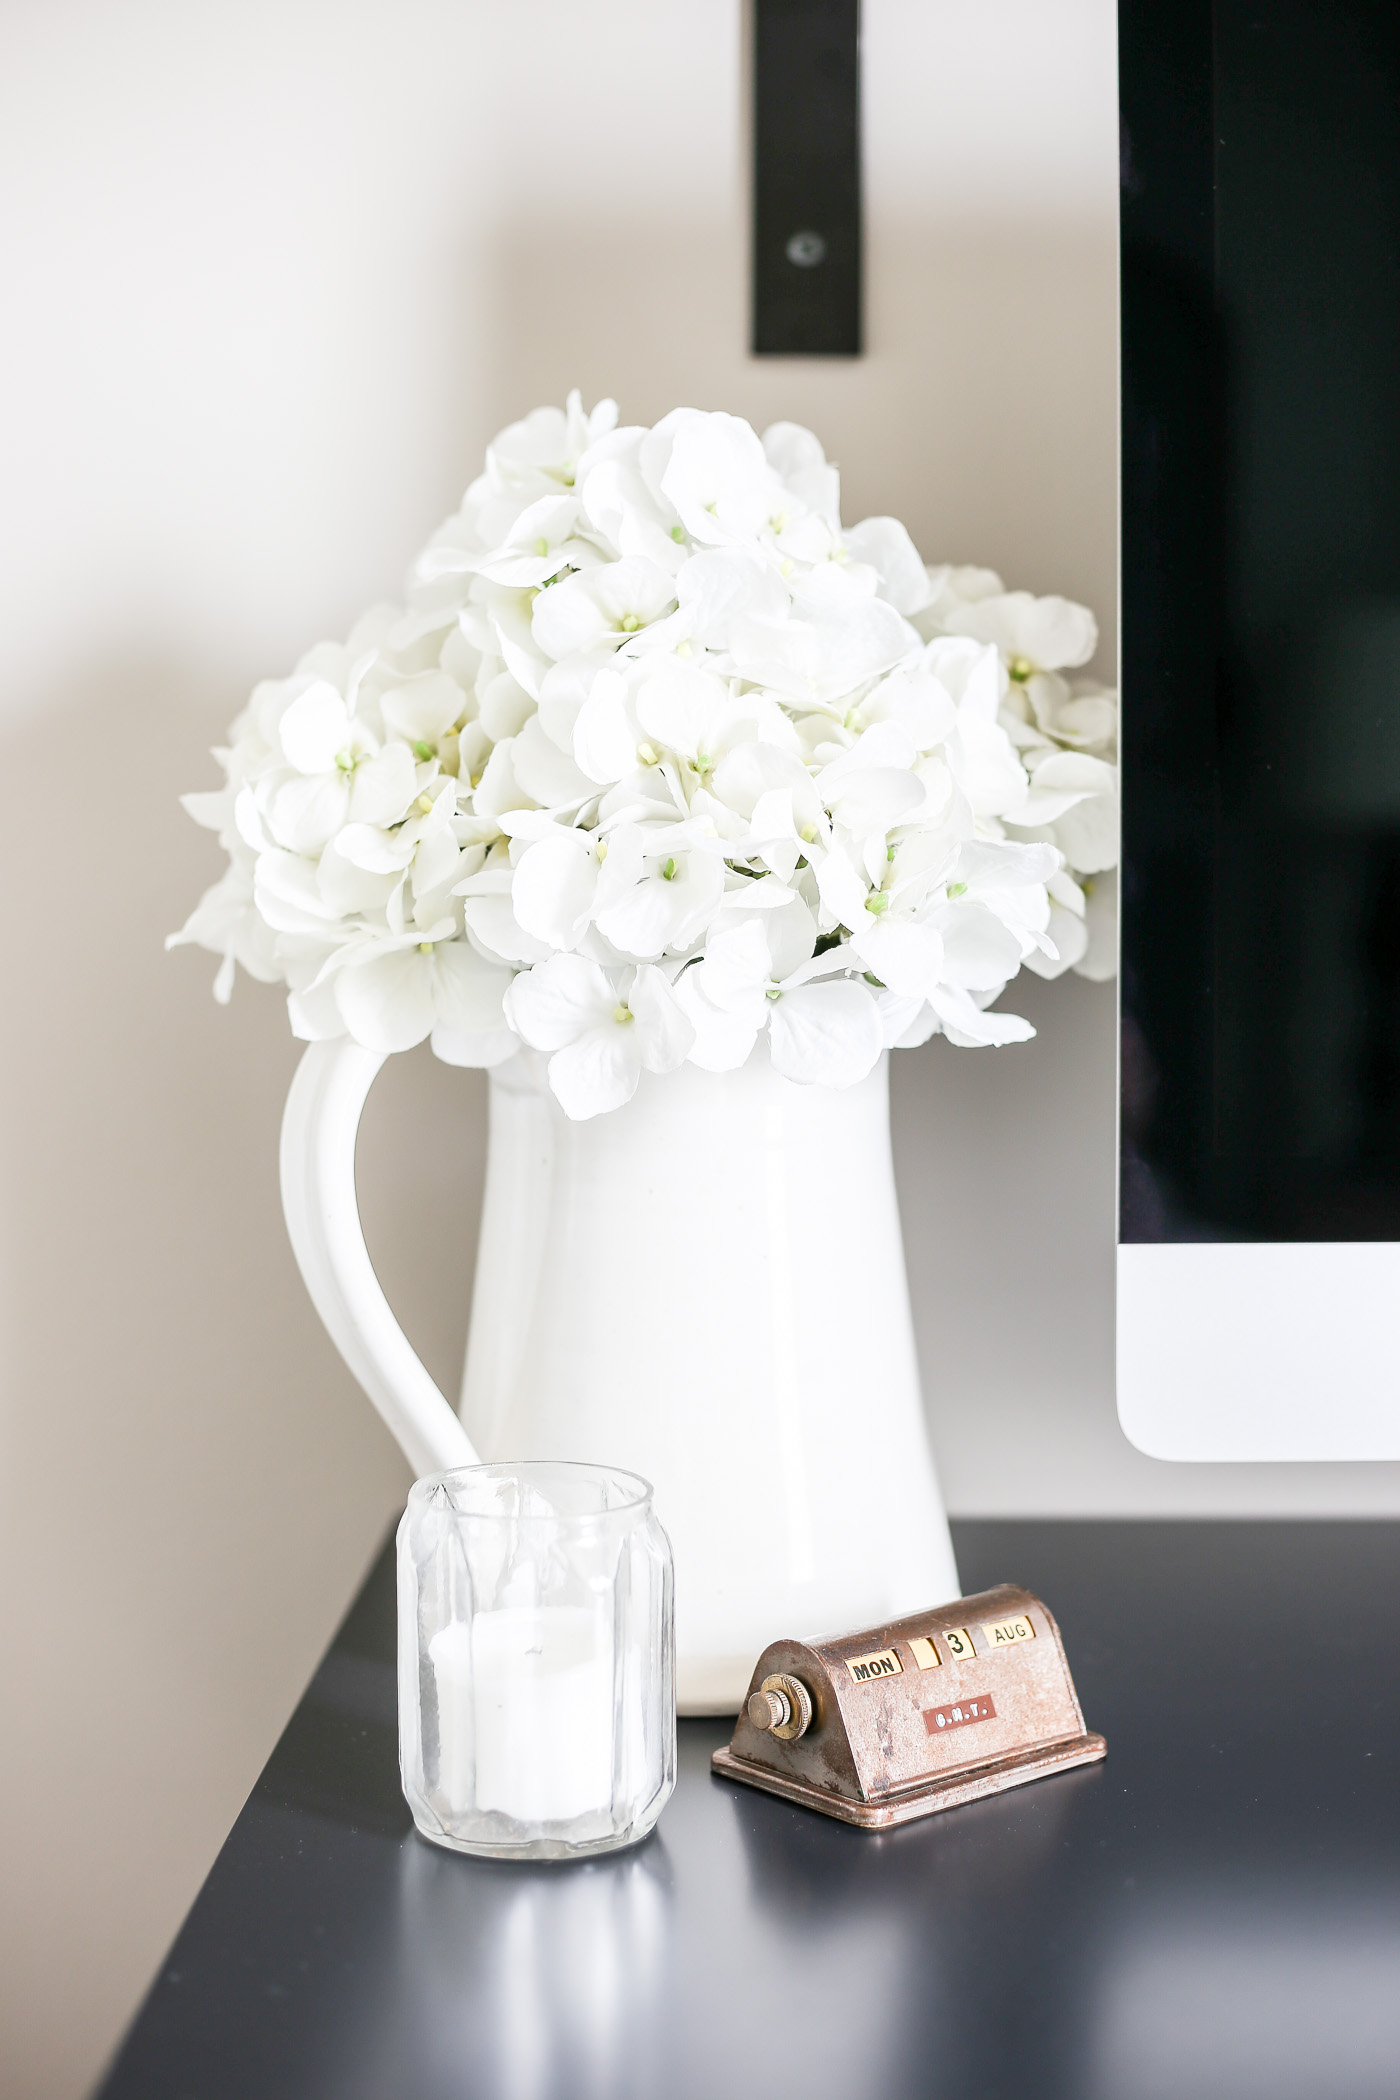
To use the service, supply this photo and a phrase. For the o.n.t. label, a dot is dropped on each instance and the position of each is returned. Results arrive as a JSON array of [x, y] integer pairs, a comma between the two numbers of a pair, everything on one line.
[[937, 1718], [883, 1663], [1004, 1633]]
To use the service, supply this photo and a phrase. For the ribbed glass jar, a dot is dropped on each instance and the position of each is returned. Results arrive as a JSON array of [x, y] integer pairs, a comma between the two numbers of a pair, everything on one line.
[[537, 1704]]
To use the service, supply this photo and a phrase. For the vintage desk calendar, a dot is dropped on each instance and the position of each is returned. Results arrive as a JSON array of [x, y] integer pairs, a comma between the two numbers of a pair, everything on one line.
[[899, 1721]]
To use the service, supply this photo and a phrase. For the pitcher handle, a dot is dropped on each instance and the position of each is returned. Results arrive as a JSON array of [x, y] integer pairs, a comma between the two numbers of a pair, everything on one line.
[[319, 1126]]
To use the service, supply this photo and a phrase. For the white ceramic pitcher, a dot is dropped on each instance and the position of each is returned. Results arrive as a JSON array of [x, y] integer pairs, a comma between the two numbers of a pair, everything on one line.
[[706, 1287]]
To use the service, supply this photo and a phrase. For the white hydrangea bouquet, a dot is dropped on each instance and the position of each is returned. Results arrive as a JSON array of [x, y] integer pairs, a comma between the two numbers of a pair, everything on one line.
[[661, 758]]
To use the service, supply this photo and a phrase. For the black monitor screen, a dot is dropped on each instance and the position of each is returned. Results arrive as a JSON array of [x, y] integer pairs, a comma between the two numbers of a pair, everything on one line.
[[1261, 619]]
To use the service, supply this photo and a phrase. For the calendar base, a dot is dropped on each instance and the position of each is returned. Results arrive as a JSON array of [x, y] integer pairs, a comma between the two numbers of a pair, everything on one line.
[[950, 1791]]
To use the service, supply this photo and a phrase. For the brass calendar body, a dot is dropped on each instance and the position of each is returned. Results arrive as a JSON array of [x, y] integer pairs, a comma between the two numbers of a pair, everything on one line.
[[924, 1713]]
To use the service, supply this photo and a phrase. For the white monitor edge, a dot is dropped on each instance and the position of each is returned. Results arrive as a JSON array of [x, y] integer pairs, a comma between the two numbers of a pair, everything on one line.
[[1250, 1351]]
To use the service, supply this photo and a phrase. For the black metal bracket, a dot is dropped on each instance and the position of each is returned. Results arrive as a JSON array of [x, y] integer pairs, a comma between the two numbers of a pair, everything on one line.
[[806, 178]]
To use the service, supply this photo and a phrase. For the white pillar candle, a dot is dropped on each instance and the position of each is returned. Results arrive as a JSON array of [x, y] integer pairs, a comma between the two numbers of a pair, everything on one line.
[[525, 1712], [451, 1655]]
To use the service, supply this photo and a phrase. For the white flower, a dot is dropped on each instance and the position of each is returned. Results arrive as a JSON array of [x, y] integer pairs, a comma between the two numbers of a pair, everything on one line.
[[1038, 639], [601, 608], [622, 512], [995, 912], [335, 773], [393, 993], [1073, 802], [895, 940], [603, 1027], [823, 1033], [836, 636], [712, 471], [541, 453], [1033, 634], [691, 713], [663, 762], [665, 888], [541, 541]]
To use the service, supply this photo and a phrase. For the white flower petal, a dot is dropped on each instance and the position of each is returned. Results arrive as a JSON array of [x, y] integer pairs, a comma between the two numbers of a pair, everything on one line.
[[1051, 633], [467, 990], [304, 811], [555, 886], [826, 1034], [212, 811], [423, 709], [789, 931], [314, 1015], [604, 735], [1068, 938], [498, 791], [315, 728], [906, 956], [679, 706], [842, 890], [547, 774], [476, 1049], [597, 1072], [887, 547], [554, 1003], [968, 1025], [875, 799], [986, 766], [724, 1037], [978, 949], [664, 1035], [382, 787], [737, 968], [662, 912], [716, 590], [505, 707], [387, 1003], [493, 926]]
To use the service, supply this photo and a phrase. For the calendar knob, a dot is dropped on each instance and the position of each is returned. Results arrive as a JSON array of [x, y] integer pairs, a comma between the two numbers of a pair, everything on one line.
[[782, 1706]]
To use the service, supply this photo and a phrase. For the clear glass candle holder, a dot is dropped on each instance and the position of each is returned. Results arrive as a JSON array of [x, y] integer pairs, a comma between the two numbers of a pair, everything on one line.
[[537, 1703]]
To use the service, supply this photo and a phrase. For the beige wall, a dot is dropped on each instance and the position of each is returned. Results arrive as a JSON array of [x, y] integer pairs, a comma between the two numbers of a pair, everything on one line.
[[275, 271]]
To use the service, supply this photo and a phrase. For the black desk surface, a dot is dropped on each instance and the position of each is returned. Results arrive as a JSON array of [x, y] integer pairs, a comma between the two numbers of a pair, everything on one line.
[[1214, 1911]]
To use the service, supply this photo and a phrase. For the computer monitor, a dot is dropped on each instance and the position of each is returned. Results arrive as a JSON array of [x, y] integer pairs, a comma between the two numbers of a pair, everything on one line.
[[1259, 1233]]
